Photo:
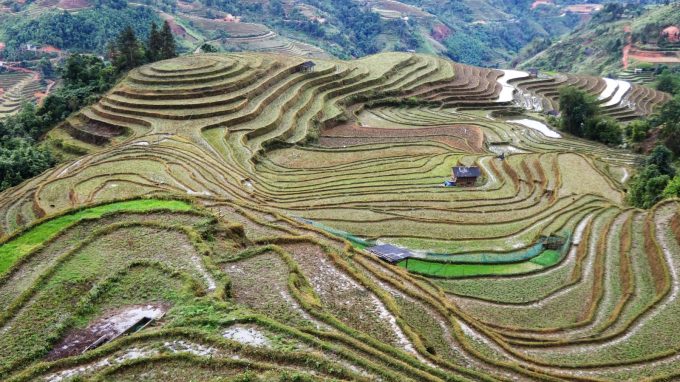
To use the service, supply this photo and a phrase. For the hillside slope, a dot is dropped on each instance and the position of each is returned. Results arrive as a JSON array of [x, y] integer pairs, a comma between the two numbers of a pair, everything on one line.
[[613, 42], [467, 31], [217, 227]]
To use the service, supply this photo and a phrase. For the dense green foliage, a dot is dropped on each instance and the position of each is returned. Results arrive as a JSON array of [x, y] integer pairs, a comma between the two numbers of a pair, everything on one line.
[[86, 31], [669, 82], [669, 119], [84, 78], [488, 33], [648, 186], [577, 107], [581, 117], [128, 52], [638, 129], [19, 158], [672, 189]]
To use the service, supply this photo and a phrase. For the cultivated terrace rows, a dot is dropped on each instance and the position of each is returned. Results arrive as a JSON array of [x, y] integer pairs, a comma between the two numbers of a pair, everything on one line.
[[231, 196]]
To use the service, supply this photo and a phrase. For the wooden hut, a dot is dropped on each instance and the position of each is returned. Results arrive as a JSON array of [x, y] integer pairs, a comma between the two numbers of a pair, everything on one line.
[[465, 176], [307, 66]]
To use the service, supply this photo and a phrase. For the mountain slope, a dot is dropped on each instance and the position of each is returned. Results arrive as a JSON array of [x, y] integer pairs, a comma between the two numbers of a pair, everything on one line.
[[487, 32], [612, 41]]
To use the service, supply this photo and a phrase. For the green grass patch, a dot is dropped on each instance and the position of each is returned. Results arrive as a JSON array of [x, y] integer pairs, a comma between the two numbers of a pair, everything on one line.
[[434, 269], [15, 249], [547, 258]]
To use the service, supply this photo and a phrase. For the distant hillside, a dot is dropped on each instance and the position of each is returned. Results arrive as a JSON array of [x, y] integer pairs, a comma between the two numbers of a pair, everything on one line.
[[615, 39], [487, 32]]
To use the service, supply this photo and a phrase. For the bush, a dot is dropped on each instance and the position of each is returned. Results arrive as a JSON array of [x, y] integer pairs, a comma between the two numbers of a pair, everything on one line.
[[669, 83], [578, 108], [647, 187], [605, 130], [672, 189], [654, 181], [581, 117], [637, 130]]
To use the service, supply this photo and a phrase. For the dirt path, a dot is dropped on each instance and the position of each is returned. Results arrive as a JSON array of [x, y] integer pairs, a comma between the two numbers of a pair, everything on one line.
[[628, 46]]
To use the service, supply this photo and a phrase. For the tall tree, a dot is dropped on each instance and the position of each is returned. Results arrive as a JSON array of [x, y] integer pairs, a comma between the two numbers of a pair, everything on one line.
[[168, 47], [155, 43], [578, 108], [129, 51]]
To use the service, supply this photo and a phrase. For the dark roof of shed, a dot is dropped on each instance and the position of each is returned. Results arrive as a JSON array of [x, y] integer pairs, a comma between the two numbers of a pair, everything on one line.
[[466, 172], [390, 253], [308, 64]]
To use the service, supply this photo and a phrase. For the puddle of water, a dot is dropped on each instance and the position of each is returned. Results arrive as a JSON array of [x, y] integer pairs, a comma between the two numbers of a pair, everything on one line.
[[609, 89], [116, 324], [623, 88], [508, 90], [537, 125], [245, 335], [500, 149]]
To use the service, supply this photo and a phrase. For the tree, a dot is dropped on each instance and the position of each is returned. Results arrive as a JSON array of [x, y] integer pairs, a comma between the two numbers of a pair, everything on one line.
[[637, 130], [45, 67], [154, 44], [647, 187], [605, 130], [168, 47], [129, 52], [276, 8], [577, 108], [670, 111], [662, 158], [672, 189], [668, 83], [653, 182], [208, 48], [671, 136]]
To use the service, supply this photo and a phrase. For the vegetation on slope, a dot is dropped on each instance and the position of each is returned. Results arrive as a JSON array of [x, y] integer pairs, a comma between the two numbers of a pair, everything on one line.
[[466, 31], [597, 47], [87, 31], [581, 117], [14, 249], [85, 79]]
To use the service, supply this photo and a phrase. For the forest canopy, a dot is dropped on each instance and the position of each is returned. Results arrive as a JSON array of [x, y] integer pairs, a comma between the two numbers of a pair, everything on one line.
[[86, 31]]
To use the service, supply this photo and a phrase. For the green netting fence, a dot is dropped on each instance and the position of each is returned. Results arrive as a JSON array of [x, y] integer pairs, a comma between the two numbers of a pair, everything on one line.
[[546, 252], [343, 234], [544, 243], [533, 259], [488, 258]]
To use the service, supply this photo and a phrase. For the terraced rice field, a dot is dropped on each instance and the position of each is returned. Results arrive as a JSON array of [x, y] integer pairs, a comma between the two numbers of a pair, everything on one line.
[[16, 88], [230, 196]]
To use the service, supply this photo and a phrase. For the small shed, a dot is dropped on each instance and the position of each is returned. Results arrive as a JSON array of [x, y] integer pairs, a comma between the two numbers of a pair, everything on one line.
[[553, 242], [533, 72], [390, 253], [466, 176], [307, 66]]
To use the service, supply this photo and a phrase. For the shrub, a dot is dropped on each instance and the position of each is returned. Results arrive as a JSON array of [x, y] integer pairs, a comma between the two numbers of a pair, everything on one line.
[[577, 108], [672, 189], [605, 130], [637, 130]]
